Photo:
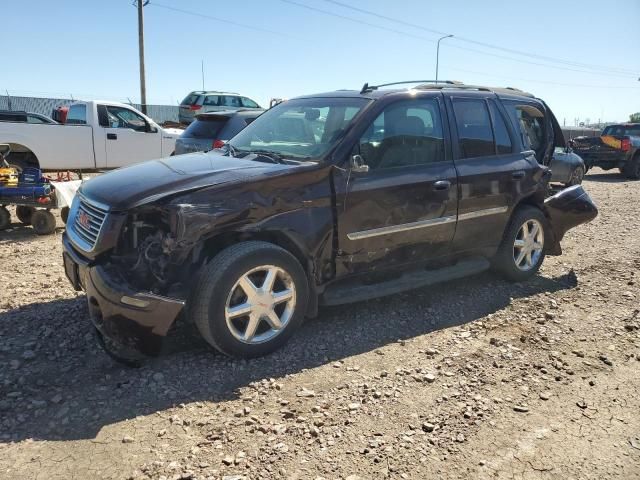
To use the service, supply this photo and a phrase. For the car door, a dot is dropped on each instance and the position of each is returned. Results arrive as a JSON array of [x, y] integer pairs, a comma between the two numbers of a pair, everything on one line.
[[129, 138], [403, 209], [492, 175], [211, 103]]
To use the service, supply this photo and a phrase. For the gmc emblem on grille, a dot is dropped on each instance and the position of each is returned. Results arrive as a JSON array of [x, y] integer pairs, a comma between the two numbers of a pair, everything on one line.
[[84, 220]]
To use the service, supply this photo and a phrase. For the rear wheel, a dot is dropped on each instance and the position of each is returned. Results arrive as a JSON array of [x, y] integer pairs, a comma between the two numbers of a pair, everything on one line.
[[24, 214], [5, 218], [576, 176], [43, 222], [522, 250], [250, 299], [632, 168]]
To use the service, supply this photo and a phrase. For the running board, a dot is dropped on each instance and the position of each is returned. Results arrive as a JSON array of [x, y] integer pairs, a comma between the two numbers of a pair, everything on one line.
[[341, 293]]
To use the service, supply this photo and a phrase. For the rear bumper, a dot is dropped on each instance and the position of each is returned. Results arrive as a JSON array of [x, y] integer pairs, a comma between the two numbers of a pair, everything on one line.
[[131, 322], [568, 209]]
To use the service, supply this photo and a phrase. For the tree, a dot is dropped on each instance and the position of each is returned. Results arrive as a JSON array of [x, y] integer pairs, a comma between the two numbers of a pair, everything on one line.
[[635, 117]]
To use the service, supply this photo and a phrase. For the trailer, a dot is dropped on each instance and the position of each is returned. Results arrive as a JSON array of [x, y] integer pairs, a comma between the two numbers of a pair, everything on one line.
[[33, 195]]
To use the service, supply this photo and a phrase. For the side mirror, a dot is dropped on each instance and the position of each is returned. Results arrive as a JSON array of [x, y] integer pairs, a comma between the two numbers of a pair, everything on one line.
[[358, 164], [151, 128]]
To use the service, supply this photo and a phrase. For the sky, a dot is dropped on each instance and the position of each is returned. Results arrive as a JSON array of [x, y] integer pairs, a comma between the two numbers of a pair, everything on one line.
[[581, 57]]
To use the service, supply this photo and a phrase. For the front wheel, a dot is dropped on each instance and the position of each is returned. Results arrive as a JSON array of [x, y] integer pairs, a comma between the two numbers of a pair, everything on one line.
[[522, 250], [249, 299]]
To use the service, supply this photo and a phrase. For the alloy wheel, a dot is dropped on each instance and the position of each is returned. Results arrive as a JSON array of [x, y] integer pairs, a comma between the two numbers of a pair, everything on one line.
[[260, 304], [528, 245]]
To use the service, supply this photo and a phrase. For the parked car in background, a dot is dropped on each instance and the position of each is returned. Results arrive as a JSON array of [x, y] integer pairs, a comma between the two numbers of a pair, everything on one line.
[[618, 146], [97, 135], [212, 130], [212, 101], [24, 117], [566, 167], [322, 200]]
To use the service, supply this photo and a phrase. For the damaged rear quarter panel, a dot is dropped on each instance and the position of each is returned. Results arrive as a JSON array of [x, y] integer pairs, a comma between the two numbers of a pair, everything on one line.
[[295, 205]]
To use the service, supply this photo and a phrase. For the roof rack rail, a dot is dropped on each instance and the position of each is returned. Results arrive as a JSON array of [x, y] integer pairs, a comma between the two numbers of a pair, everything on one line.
[[370, 88], [481, 88]]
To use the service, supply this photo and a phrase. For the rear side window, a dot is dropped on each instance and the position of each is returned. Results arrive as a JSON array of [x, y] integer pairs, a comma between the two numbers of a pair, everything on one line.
[[77, 115], [503, 141], [529, 122], [211, 100], [190, 99], [622, 130], [229, 101], [474, 128], [34, 119], [204, 127]]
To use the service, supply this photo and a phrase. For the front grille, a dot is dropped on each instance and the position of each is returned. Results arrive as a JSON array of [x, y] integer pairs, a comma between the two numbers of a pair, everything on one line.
[[88, 222]]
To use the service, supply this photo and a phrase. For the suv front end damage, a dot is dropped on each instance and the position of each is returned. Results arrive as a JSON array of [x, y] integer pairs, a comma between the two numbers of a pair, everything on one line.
[[135, 280]]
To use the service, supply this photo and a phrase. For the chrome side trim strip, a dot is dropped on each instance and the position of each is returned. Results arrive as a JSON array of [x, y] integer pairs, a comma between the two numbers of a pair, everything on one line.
[[482, 213], [432, 222], [400, 228]]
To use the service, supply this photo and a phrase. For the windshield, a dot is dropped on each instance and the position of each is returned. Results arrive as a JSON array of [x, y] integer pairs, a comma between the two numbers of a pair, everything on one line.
[[303, 128], [622, 130]]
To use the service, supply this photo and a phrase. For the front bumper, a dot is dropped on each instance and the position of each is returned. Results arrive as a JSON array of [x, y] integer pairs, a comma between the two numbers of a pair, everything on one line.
[[131, 322]]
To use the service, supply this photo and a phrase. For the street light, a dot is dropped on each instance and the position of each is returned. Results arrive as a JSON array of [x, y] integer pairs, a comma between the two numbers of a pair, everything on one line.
[[438, 53]]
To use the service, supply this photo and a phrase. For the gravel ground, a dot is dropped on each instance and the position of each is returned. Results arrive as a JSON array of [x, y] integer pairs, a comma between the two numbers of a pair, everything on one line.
[[471, 379]]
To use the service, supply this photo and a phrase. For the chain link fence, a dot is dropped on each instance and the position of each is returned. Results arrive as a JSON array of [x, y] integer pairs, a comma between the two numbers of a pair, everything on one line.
[[44, 106]]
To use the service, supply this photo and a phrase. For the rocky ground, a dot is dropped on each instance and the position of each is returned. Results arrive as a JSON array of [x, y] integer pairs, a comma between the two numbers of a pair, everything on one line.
[[472, 379]]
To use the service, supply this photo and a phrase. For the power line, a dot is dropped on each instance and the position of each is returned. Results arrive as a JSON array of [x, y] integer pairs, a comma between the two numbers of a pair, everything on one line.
[[218, 19], [483, 44], [466, 49], [362, 22], [572, 85]]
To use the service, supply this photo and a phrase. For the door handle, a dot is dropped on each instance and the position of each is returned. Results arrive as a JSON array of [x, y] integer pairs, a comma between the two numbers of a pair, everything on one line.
[[518, 175], [442, 185], [112, 136]]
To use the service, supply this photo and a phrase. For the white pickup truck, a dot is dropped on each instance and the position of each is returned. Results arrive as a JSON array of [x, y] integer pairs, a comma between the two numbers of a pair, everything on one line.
[[97, 135]]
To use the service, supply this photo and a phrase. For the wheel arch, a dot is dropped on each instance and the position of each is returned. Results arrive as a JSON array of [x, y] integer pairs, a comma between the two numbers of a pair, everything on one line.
[[211, 246], [23, 154]]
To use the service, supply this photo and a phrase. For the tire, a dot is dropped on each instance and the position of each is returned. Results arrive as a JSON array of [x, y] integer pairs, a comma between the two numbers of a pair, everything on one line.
[[43, 222], [64, 214], [631, 169], [576, 176], [5, 218], [24, 214], [508, 253], [218, 285]]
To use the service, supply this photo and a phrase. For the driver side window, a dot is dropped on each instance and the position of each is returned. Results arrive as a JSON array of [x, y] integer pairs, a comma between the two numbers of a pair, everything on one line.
[[119, 117], [405, 134]]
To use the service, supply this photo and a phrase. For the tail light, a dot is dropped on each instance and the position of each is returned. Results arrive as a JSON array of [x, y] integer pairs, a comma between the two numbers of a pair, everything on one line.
[[625, 144], [218, 143], [194, 108]]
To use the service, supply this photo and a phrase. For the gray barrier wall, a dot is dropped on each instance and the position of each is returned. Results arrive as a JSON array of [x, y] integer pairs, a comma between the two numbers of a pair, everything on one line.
[[44, 106]]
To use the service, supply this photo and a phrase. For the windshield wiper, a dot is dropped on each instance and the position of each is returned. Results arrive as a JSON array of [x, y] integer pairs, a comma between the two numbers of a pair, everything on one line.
[[273, 156], [231, 150]]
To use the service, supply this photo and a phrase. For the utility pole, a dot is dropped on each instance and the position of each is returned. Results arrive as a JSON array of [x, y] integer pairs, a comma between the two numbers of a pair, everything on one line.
[[202, 65], [438, 53], [143, 87]]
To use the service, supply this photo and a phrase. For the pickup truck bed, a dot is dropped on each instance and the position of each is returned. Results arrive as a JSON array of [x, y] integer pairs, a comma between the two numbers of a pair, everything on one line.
[[617, 147]]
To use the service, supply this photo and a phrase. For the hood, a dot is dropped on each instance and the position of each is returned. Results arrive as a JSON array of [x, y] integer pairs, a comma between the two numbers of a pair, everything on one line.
[[145, 182], [173, 131]]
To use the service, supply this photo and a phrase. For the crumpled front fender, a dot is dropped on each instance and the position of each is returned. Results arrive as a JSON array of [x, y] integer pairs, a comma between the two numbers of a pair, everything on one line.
[[565, 210]]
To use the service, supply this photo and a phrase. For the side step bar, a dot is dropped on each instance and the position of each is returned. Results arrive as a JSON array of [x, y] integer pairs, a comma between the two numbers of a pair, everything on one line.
[[342, 293]]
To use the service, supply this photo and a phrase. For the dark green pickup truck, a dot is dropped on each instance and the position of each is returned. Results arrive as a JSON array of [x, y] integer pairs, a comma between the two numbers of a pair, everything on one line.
[[617, 147]]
